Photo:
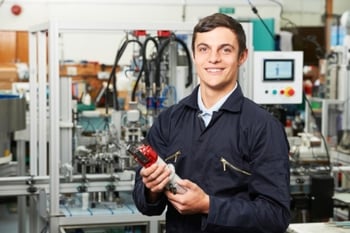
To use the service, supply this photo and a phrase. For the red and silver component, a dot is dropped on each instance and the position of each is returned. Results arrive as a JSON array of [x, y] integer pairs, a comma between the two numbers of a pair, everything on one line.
[[146, 156]]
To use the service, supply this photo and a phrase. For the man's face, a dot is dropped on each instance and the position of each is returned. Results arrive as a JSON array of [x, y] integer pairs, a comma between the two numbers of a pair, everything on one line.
[[217, 60]]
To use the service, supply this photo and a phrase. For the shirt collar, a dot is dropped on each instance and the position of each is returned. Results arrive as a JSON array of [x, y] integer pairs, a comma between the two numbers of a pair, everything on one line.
[[216, 106], [232, 104]]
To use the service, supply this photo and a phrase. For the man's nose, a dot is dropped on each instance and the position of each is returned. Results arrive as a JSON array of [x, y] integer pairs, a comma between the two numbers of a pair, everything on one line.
[[214, 57]]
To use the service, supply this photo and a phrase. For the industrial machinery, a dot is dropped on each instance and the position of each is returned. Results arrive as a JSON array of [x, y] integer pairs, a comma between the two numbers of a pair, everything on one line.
[[343, 74], [322, 150], [92, 169], [91, 172], [278, 77], [13, 108], [110, 151], [278, 83], [81, 180]]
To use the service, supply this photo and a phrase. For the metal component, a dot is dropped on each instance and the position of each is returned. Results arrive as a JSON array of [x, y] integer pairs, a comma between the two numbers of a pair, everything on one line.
[[12, 114], [18, 186], [82, 188], [31, 189]]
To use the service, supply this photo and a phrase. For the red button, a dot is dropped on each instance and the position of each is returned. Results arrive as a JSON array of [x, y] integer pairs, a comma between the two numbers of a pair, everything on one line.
[[289, 91]]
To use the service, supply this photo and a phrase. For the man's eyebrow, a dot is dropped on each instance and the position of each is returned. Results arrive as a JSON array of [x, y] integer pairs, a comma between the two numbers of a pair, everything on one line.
[[226, 44], [220, 46], [202, 44]]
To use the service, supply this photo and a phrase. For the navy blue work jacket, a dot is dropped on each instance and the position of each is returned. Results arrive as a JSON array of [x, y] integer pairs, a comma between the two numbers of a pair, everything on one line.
[[240, 160]]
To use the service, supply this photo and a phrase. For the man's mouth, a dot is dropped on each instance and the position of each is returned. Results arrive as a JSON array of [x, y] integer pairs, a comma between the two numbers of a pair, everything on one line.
[[214, 70]]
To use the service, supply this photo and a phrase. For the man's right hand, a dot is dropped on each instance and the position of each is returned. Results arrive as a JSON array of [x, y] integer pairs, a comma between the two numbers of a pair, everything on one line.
[[155, 178]]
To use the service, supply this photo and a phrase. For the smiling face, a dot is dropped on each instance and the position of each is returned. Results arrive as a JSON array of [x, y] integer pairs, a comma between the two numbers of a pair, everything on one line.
[[217, 59]]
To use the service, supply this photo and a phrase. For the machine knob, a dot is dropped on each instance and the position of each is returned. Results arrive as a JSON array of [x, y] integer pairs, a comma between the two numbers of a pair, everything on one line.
[[289, 91]]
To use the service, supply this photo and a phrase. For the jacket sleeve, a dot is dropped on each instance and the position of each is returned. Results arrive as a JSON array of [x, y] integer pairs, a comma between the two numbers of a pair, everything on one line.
[[154, 137], [266, 207], [140, 201]]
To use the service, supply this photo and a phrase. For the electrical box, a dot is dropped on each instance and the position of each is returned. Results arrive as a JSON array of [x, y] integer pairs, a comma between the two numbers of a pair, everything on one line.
[[278, 77]]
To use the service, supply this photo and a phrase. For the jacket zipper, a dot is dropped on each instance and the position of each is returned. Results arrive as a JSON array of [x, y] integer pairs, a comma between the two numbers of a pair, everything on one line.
[[173, 156], [225, 162]]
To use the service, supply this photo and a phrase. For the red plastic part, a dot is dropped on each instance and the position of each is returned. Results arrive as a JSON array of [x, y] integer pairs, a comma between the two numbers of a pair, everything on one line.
[[138, 33], [163, 33], [148, 151]]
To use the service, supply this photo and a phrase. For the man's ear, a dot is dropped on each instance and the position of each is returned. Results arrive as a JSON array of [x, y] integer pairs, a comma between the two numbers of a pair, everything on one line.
[[243, 57]]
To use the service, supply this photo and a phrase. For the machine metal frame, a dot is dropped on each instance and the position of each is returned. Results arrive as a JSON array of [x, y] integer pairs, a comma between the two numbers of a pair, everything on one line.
[[44, 39]]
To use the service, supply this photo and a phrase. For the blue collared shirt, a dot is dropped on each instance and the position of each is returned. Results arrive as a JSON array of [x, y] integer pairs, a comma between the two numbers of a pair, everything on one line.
[[206, 114]]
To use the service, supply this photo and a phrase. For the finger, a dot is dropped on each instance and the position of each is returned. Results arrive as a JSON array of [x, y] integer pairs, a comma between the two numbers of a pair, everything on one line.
[[186, 183], [159, 187], [161, 172], [146, 171], [172, 197], [157, 180]]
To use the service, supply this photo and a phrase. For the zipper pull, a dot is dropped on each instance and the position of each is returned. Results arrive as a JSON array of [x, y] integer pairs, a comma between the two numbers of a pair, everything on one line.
[[223, 161], [175, 155]]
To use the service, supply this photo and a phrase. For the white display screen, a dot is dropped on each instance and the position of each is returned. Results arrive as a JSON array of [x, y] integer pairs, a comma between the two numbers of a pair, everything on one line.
[[278, 70]]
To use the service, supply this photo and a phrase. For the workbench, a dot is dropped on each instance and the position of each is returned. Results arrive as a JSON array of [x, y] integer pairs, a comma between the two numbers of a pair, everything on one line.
[[335, 227]]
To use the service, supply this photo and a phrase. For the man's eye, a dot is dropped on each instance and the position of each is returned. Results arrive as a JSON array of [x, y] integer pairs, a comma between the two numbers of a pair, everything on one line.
[[226, 50], [203, 49]]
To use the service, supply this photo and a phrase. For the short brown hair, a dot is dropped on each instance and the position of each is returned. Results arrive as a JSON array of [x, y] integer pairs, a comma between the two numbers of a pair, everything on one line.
[[215, 20]]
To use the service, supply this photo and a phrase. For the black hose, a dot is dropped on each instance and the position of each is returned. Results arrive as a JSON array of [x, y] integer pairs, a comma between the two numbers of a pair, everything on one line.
[[159, 58], [144, 68], [112, 76]]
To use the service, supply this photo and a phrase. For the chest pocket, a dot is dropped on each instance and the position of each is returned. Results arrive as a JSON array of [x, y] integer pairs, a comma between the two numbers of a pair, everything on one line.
[[229, 176], [228, 165], [172, 158]]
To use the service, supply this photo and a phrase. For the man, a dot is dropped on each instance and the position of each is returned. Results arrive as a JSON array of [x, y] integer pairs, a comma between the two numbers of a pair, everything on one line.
[[231, 154]]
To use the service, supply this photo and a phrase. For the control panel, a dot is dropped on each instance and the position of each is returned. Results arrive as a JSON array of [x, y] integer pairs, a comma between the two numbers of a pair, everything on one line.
[[278, 77]]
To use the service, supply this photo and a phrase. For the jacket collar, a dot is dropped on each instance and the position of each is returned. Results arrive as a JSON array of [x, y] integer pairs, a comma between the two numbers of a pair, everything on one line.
[[232, 104]]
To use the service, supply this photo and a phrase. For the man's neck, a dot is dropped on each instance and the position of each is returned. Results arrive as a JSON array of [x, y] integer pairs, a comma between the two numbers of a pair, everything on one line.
[[210, 97]]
